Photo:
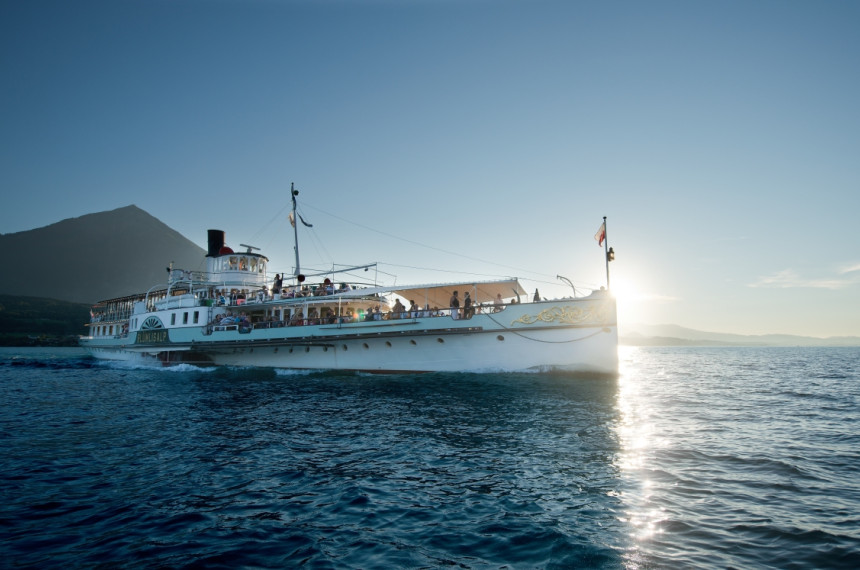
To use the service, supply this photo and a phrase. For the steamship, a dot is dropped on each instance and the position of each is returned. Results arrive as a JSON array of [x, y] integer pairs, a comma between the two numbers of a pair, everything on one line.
[[228, 315]]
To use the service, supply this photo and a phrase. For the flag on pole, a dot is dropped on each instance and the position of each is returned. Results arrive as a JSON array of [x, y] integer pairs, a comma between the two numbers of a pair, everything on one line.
[[601, 234], [293, 220]]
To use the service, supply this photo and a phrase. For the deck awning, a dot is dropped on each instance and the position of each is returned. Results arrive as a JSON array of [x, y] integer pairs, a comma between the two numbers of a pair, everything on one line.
[[439, 294]]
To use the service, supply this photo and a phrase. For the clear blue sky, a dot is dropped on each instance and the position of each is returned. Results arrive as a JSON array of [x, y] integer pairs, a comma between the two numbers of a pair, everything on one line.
[[721, 139]]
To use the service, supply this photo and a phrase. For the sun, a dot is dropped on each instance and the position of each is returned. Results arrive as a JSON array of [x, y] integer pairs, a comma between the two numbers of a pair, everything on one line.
[[630, 300]]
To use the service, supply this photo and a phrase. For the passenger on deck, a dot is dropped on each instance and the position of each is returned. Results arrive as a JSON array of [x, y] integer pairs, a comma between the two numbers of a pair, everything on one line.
[[468, 310], [455, 306], [397, 311], [498, 303], [276, 286], [537, 296], [413, 310]]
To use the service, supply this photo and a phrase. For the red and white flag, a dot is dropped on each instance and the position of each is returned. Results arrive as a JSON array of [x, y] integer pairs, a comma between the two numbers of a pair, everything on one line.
[[601, 234]]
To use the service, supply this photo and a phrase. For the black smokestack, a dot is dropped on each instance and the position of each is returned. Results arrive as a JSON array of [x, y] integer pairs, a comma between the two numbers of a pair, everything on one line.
[[216, 242]]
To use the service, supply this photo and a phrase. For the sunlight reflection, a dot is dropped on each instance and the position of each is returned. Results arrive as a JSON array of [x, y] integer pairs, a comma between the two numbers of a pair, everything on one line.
[[638, 440]]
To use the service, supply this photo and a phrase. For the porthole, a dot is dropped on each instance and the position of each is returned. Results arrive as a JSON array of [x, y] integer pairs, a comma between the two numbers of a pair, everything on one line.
[[388, 343], [440, 340], [276, 350], [307, 349], [325, 349], [412, 342], [291, 350], [344, 348], [366, 345], [500, 337]]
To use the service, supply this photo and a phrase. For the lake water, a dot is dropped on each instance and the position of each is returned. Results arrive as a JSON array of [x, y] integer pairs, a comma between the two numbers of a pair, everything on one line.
[[693, 458]]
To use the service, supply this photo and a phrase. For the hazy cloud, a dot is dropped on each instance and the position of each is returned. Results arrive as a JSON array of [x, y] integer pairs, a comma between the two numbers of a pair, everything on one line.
[[657, 298], [850, 268], [789, 279]]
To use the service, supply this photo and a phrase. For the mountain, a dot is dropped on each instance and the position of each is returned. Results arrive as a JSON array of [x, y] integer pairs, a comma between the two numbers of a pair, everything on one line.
[[674, 335], [33, 321], [93, 257]]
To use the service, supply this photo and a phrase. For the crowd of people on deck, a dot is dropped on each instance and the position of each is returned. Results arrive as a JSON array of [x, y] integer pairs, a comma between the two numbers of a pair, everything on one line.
[[328, 315], [457, 309], [278, 291]]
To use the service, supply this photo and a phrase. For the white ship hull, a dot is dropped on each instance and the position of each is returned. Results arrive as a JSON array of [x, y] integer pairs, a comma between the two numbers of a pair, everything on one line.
[[576, 335]]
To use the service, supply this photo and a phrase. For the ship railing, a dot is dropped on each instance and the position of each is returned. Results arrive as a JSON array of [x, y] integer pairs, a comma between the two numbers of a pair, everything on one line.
[[348, 319]]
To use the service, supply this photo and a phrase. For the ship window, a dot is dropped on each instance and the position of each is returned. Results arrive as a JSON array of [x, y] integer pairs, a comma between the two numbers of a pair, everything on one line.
[[184, 318], [500, 337], [253, 264], [388, 343], [196, 317], [173, 319], [440, 340], [413, 342], [366, 345], [243, 264], [234, 262], [110, 331]]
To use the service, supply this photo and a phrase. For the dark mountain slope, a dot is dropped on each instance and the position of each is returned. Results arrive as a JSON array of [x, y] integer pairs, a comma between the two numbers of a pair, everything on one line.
[[93, 257]]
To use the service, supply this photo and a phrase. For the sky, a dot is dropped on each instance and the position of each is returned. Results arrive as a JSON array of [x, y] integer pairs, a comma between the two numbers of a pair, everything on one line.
[[480, 138]]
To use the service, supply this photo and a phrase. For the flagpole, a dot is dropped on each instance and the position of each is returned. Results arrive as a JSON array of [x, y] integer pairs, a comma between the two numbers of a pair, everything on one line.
[[293, 194], [606, 251]]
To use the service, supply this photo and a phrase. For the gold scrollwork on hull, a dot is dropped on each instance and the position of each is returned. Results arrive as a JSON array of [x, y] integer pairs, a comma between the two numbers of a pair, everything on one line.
[[568, 315]]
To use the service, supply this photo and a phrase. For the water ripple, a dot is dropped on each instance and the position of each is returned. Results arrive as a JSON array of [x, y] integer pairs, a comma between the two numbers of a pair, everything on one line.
[[693, 458]]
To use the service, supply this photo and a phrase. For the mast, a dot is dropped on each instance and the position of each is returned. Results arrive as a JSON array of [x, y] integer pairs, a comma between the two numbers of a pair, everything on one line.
[[293, 194], [605, 249], [608, 251]]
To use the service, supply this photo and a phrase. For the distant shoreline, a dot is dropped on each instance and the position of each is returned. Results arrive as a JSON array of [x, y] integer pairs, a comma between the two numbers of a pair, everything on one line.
[[671, 341]]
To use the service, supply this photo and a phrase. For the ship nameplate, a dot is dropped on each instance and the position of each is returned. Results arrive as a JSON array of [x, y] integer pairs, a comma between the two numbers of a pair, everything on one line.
[[151, 336]]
